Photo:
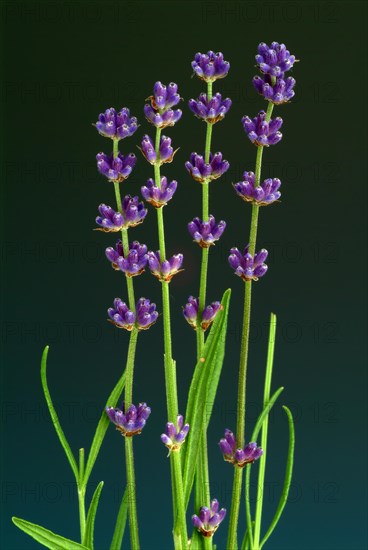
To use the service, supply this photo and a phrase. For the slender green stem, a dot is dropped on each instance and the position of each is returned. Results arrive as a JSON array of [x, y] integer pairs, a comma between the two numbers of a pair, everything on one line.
[[248, 515], [132, 500], [262, 460], [178, 478], [234, 512], [81, 495], [130, 368], [170, 371]]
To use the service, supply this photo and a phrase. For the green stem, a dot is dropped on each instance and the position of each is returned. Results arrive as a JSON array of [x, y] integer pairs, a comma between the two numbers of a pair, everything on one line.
[[132, 500], [130, 368], [262, 460], [81, 495], [178, 480], [234, 512]]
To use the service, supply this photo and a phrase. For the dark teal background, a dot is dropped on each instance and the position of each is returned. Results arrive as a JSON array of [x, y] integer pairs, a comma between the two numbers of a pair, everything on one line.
[[66, 62]]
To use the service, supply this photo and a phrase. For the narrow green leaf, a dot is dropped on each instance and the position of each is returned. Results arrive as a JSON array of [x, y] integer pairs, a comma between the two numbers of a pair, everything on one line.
[[120, 524], [206, 373], [102, 426], [54, 416], [264, 413], [196, 541], [288, 476], [90, 524], [246, 540], [47, 538]]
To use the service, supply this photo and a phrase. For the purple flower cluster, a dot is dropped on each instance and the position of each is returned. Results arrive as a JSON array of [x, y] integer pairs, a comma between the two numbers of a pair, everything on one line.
[[160, 112], [275, 59], [278, 92], [247, 267], [164, 270], [133, 213], [210, 111], [190, 312], [116, 125], [209, 519], [210, 66], [206, 233], [174, 436], [122, 317], [238, 457], [205, 172], [263, 195], [166, 152], [116, 169], [133, 263], [131, 421], [159, 196], [261, 132]]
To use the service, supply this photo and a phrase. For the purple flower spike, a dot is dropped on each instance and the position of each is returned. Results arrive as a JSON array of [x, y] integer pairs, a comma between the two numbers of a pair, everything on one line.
[[210, 66], [263, 195], [159, 196], [167, 118], [206, 233], [164, 271], [166, 152], [210, 111], [146, 314], [116, 125], [130, 422], [174, 436], [245, 266], [279, 92], [109, 220], [134, 263], [121, 316], [275, 59], [203, 172], [228, 446], [116, 169], [238, 457], [160, 112], [190, 312], [260, 132], [209, 518]]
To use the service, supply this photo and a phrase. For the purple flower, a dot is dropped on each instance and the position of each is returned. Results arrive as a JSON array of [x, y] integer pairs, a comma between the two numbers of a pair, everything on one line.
[[206, 233], [245, 266], [130, 422], [164, 271], [203, 172], [146, 314], [190, 312], [121, 316], [166, 152], [210, 66], [159, 196], [160, 112], [275, 59], [211, 111], [116, 125], [263, 194], [134, 263], [260, 132], [133, 213], [209, 518], [238, 457], [174, 436], [281, 91], [116, 169]]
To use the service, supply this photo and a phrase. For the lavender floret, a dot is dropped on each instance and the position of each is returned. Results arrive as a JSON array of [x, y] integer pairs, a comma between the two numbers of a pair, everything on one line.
[[116, 169], [209, 519], [109, 220], [159, 196], [275, 59], [121, 316], [174, 436], [164, 271], [210, 66], [190, 312], [238, 457], [146, 314], [247, 267], [205, 172], [210, 111], [278, 92], [206, 233], [260, 132], [116, 125], [134, 263], [166, 152], [263, 195], [130, 422]]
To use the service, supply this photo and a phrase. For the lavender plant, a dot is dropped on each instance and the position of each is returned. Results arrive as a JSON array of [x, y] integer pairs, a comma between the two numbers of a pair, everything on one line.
[[184, 436]]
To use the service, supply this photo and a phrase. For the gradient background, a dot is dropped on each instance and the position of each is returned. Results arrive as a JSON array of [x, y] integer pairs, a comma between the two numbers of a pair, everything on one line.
[[66, 62]]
